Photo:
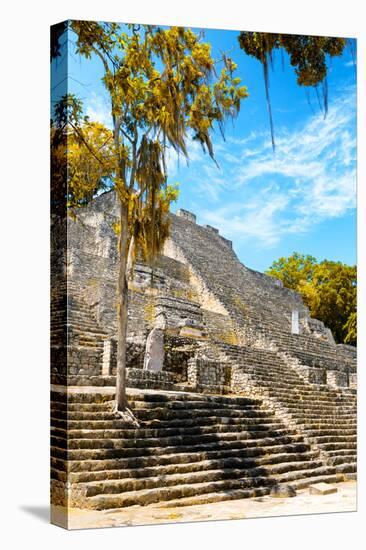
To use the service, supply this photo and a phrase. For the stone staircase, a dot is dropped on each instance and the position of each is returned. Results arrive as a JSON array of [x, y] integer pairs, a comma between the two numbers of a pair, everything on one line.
[[75, 332], [245, 294], [68, 309], [275, 429], [188, 449], [311, 351], [257, 305], [326, 416]]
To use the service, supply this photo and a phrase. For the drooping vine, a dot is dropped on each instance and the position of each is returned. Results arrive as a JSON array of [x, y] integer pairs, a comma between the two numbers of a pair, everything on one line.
[[308, 55]]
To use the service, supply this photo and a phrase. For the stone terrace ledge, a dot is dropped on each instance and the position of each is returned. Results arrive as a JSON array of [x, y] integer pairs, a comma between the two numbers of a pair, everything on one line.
[[186, 215], [181, 213]]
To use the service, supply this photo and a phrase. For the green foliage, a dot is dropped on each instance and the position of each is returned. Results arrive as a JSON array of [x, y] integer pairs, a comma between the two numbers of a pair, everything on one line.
[[294, 271], [163, 88], [307, 53], [82, 155], [350, 328], [329, 289]]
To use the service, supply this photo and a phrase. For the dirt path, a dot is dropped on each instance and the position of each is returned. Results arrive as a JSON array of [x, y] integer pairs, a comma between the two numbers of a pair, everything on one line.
[[345, 500]]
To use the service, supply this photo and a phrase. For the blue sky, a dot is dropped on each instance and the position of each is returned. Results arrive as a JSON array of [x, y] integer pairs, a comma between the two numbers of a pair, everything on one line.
[[300, 198]]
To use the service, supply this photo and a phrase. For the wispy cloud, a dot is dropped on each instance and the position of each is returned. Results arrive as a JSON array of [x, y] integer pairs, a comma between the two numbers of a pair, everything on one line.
[[310, 178], [263, 196], [98, 109]]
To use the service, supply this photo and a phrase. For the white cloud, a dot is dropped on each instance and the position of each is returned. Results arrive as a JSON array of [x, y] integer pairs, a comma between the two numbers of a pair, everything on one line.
[[310, 178], [98, 109], [260, 195]]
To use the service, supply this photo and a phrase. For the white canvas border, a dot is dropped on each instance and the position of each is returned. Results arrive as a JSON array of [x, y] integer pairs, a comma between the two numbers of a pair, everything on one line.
[[25, 270]]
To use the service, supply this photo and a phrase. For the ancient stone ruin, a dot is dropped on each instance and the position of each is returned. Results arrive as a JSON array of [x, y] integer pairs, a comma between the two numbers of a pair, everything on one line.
[[238, 392]]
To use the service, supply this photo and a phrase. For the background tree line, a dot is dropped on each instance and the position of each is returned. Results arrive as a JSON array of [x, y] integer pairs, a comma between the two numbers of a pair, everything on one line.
[[329, 289]]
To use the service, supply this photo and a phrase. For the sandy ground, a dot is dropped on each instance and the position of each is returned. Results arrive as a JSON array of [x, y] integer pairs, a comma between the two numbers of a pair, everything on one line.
[[344, 500]]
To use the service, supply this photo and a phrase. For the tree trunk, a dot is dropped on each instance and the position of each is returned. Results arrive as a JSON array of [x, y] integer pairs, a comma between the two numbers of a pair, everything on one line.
[[122, 309]]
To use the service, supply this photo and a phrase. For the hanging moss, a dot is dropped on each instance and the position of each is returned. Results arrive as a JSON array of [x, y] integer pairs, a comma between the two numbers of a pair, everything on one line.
[[308, 55]]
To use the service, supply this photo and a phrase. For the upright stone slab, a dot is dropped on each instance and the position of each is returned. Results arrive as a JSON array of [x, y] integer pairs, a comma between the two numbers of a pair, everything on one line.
[[322, 489], [295, 329], [154, 353], [106, 358]]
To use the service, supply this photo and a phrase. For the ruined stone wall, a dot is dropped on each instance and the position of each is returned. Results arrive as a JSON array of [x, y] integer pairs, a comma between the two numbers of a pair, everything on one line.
[[236, 305], [208, 376], [92, 265], [241, 291]]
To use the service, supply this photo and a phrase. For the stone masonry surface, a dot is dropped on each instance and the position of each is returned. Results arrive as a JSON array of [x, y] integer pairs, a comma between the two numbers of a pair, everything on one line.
[[243, 404]]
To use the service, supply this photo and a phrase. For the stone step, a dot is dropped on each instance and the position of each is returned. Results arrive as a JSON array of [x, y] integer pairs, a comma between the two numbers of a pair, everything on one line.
[[137, 405], [344, 445], [275, 463], [96, 397], [343, 459], [86, 332], [175, 481], [347, 468], [295, 475], [165, 397], [309, 397], [327, 432], [326, 425], [326, 410], [308, 406], [208, 498], [324, 397], [340, 417], [310, 416], [333, 438], [341, 452], [303, 483], [203, 413], [84, 443], [171, 455], [172, 414], [321, 391], [177, 423], [140, 404], [276, 455], [126, 449], [311, 406], [150, 496], [288, 472], [254, 431], [268, 372], [281, 388]]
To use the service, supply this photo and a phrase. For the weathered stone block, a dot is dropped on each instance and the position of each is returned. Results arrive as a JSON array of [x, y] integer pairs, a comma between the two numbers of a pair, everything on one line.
[[322, 489], [283, 491], [317, 376], [337, 378], [210, 375]]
